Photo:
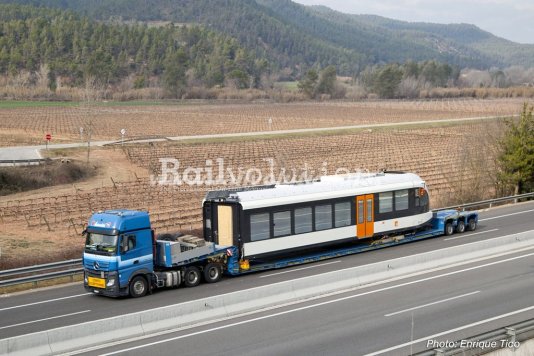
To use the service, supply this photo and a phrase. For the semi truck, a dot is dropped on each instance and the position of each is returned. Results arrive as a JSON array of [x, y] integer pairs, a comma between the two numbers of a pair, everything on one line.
[[253, 229]]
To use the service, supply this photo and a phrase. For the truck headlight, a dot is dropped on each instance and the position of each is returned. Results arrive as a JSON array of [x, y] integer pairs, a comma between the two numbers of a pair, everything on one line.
[[85, 278], [111, 282]]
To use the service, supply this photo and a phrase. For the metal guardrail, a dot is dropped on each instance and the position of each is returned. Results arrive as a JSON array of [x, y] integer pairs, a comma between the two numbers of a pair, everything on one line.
[[15, 162], [29, 273], [489, 202], [509, 337], [79, 269]]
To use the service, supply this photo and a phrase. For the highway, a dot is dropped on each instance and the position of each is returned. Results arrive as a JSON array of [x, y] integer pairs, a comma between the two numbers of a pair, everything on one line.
[[369, 320], [355, 324]]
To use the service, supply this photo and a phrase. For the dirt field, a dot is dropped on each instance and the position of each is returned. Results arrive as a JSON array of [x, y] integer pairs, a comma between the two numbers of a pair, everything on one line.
[[455, 160], [29, 125]]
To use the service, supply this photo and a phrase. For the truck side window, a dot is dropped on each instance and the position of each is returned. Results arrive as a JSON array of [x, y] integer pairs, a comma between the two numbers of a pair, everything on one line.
[[127, 243]]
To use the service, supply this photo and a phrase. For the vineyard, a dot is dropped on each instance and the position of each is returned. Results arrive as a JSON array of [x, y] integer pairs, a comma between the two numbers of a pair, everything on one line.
[[457, 162], [26, 126]]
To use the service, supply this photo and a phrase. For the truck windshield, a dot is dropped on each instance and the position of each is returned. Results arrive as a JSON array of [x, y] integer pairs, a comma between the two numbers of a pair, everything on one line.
[[103, 244]]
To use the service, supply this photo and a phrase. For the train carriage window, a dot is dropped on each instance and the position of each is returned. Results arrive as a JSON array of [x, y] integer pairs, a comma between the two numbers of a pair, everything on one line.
[[303, 220], [342, 214], [259, 227], [360, 211], [401, 200], [385, 202], [323, 217], [282, 223], [369, 210]]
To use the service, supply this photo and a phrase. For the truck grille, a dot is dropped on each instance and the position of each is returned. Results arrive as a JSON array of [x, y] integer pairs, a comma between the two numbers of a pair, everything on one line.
[[89, 264]]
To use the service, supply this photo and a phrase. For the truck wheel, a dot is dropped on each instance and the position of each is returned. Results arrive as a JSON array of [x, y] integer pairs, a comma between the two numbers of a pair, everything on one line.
[[472, 224], [212, 273], [192, 277], [449, 229], [138, 287], [460, 227]]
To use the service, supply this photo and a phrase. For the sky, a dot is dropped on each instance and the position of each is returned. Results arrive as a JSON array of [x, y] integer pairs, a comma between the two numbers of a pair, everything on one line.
[[509, 19]]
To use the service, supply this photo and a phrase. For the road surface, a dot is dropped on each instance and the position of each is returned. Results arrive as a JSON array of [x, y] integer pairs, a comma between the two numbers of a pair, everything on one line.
[[356, 325]]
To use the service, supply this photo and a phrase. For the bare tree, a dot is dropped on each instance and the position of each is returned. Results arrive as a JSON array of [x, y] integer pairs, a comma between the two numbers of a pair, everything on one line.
[[42, 76], [473, 175], [92, 94]]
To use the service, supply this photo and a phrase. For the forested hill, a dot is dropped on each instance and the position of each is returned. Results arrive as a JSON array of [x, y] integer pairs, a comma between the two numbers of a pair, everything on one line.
[[54, 44], [292, 35]]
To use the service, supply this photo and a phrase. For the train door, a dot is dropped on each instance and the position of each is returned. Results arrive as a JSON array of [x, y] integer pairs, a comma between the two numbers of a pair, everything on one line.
[[225, 225], [364, 216]]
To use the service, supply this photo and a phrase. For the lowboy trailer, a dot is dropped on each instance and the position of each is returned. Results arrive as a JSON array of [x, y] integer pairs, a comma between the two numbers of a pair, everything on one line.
[[123, 256]]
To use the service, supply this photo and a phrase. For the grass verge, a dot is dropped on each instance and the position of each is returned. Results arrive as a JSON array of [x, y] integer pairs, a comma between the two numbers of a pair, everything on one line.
[[41, 284]]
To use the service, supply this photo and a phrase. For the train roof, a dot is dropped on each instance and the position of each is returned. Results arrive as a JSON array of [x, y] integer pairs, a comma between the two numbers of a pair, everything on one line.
[[328, 187]]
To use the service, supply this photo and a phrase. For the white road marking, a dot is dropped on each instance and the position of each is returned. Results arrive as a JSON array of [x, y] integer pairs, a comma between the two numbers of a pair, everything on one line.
[[44, 301], [38, 320], [430, 337], [467, 235], [503, 216], [299, 269], [317, 305], [433, 303]]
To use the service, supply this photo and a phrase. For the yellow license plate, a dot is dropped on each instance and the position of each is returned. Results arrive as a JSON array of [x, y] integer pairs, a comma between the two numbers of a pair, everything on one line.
[[96, 282]]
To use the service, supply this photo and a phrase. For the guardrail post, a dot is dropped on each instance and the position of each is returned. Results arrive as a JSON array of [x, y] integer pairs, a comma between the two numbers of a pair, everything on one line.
[[511, 332]]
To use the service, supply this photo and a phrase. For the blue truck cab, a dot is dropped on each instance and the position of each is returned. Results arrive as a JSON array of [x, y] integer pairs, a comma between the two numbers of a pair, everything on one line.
[[118, 254]]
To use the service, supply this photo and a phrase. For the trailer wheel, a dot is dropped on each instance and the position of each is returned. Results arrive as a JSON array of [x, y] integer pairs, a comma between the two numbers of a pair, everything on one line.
[[192, 276], [460, 227], [449, 229], [472, 224], [138, 287], [212, 273]]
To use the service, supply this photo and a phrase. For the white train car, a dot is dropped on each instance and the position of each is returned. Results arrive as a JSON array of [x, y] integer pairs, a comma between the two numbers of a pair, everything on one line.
[[273, 220]]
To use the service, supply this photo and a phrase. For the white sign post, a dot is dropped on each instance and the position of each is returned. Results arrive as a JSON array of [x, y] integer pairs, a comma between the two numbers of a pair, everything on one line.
[[123, 132]]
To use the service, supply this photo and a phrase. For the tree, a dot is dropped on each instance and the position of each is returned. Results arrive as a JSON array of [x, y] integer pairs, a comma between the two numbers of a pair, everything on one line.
[[174, 74], [387, 81], [517, 156], [327, 81], [308, 83]]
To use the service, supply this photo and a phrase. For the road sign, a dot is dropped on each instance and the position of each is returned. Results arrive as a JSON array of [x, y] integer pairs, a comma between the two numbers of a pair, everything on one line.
[[48, 137]]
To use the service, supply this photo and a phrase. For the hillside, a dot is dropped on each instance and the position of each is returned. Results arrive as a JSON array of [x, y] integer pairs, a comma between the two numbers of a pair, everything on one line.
[[62, 47], [291, 35]]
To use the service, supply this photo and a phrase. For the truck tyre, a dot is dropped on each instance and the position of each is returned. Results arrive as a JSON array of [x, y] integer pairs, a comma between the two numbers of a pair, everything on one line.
[[192, 276], [460, 227], [449, 229], [212, 273], [472, 224], [138, 287]]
